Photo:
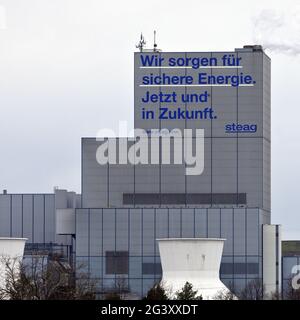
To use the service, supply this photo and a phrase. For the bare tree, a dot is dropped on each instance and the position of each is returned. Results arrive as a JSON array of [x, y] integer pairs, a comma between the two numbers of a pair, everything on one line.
[[119, 290], [275, 296], [226, 294], [112, 296], [121, 285], [254, 290], [290, 293], [44, 280]]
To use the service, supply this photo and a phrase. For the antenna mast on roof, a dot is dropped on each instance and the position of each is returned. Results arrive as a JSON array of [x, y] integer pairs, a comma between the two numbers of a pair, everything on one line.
[[155, 44], [141, 43]]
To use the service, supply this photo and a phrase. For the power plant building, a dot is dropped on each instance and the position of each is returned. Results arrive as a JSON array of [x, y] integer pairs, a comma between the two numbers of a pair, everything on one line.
[[113, 226]]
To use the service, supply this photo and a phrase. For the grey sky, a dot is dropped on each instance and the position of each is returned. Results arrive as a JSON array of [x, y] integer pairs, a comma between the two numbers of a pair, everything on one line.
[[66, 71]]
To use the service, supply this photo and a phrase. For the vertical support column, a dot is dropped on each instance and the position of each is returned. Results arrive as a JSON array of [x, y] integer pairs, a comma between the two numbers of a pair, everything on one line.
[[272, 259]]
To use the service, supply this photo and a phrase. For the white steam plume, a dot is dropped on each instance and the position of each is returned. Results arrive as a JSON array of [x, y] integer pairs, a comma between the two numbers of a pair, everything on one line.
[[2, 18], [279, 32]]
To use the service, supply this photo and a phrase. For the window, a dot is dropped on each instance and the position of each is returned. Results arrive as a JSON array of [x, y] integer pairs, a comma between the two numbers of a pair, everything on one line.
[[239, 268], [116, 262], [151, 268], [182, 198]]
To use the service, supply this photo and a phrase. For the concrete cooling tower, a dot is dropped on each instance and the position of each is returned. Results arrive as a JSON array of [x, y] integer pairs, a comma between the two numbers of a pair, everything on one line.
[[11, 252], [196, 261]]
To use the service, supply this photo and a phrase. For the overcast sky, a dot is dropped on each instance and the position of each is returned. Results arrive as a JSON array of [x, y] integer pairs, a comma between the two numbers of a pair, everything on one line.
[[66, 71]]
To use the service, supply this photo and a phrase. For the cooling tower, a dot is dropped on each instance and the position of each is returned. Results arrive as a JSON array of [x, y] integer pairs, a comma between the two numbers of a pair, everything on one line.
[[196, 261], [11, 252]]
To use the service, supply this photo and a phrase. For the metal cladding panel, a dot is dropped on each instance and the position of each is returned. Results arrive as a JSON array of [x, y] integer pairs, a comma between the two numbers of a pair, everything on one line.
[[5, 221], [50, 233], [39, 218], [28, 218], [31, 216], [94, 177], [17, 215], [82, 232]]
